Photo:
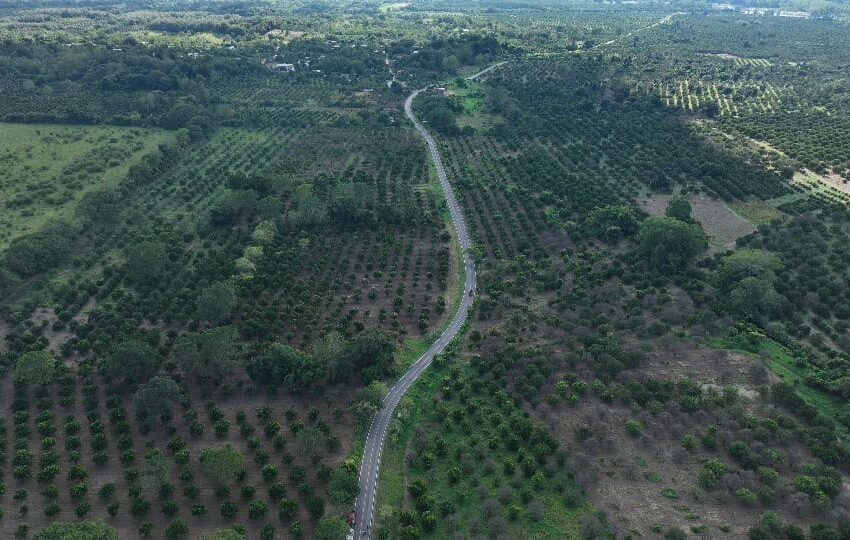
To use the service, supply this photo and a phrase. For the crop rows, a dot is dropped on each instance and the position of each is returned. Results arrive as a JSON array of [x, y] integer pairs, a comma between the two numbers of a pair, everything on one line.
[[73, 452], [818, 140], [740, 61], [735, 99]]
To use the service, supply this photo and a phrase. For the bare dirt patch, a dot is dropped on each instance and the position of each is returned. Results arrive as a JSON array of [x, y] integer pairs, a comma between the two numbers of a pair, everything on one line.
[[722, 224], [649, 483], [707, 365]]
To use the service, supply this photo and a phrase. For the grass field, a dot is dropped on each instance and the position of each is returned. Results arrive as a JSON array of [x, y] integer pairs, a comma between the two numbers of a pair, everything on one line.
[[758, 212], [45, 170]]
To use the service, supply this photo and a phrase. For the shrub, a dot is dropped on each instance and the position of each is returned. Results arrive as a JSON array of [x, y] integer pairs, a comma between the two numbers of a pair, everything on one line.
[[634, 428], [712, 471], [169, 508], [257, 509], [269, 472], [176, 529], [286, 509], [746, 496], [228, 510]]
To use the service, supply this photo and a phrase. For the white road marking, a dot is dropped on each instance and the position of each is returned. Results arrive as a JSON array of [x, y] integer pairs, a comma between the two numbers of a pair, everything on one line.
[[376, 436]]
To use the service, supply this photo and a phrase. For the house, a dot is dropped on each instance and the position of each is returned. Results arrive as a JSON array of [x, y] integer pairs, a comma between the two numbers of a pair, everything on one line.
[[441, 91], [286, 68]]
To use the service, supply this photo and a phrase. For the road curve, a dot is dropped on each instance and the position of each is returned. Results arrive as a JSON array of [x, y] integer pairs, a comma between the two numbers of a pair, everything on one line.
[[371, 464]]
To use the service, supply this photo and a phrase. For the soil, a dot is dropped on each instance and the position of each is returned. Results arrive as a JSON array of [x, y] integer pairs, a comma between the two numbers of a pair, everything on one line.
[[722, 224], [649, 483], [246, 398]]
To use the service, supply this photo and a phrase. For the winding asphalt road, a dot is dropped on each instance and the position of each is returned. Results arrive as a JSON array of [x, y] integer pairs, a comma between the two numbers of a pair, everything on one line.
[[371, 465]]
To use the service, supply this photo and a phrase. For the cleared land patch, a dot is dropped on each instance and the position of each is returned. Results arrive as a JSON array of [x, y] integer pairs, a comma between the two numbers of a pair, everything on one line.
[[722, 224]]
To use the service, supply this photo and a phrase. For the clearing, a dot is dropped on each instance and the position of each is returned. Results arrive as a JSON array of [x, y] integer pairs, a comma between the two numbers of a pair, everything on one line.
[[722, 224]]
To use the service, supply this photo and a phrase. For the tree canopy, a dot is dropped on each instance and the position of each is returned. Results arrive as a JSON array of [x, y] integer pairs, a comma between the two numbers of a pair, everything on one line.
[[282, 364], [611, 222], [146, 262], [157, 396], [35, 368], [222, 464], [669, 244], [85, 530], [679, 208], [131, 361], [210, 354], [746, 263], [216, 302], [331, 529]]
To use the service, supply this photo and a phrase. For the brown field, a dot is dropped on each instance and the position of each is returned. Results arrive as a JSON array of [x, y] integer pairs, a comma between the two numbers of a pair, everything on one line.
[[649, 483], [334, 413], [722, 224]]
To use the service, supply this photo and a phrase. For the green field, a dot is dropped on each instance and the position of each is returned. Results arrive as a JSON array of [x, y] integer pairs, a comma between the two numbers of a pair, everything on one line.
[[46, 169]]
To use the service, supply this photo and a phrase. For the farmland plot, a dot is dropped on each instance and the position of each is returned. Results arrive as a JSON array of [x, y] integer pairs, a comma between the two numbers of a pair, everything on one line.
[[47, 169]]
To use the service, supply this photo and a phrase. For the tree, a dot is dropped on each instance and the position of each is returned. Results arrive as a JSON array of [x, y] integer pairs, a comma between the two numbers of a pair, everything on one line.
[[344, 486], [755, 298], [281, 364], [331, 352], [222, 464], [156, 397], [101, 206], [679, 208], [216, 302], [154, 471], [331, 529], [442, 119], [35, 368], [669, 244], [38, 252], [373, 352], [612, 222], [85, 530], [146, 262], [367, 401], [131, 361], [308, 209], [746, 263], [210, 354]]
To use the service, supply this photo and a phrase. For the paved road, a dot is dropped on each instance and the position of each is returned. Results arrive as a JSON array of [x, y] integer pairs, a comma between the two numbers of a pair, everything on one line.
[[371, 464]]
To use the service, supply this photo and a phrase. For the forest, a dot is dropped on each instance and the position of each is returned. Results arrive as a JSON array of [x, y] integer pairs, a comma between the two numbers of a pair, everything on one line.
[[225, 249]]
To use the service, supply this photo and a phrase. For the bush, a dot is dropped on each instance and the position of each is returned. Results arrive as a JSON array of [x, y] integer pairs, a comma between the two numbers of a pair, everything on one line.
[[286, 509], [331, 529], [257, 509], [176, 529], [746, 496], [634, 428], [228, 510]]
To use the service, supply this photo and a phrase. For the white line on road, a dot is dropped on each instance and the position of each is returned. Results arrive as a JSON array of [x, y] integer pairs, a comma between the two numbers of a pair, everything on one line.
[[370, 465]]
